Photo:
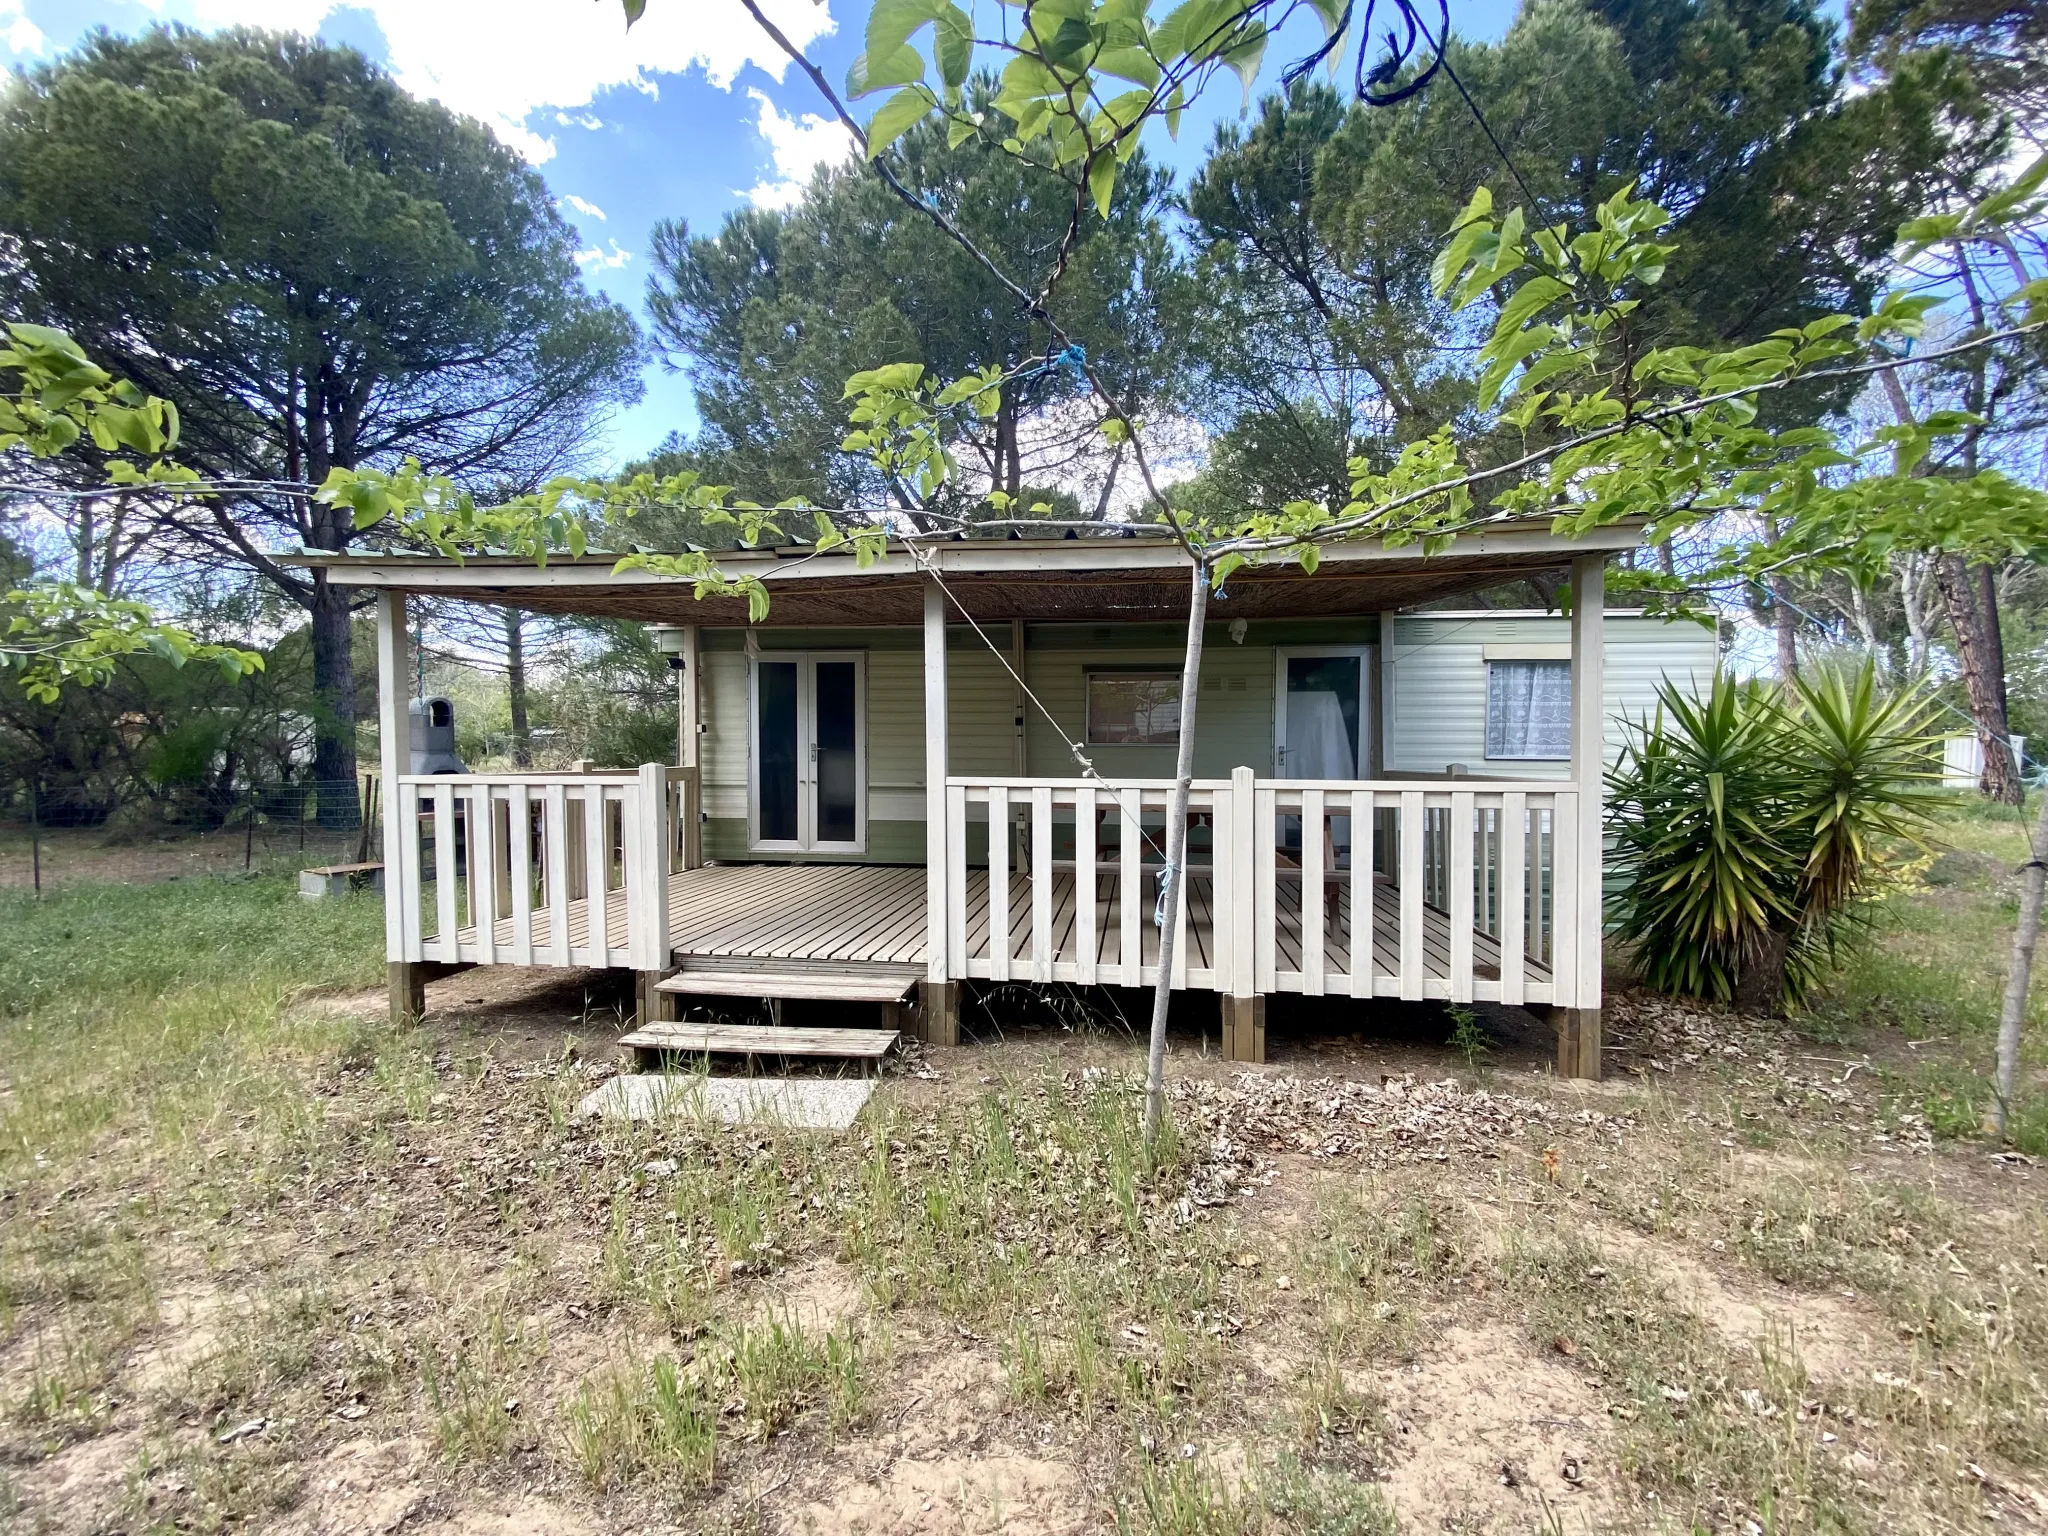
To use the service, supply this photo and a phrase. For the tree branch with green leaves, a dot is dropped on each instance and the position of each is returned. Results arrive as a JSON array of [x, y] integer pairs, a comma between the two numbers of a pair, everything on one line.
[[54, 400]]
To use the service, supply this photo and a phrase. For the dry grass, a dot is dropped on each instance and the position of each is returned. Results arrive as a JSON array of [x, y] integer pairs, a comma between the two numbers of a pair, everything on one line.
[[265, 1263]]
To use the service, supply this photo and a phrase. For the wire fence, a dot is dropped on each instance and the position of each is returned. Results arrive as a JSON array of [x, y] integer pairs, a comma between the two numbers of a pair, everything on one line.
[[49, 836]]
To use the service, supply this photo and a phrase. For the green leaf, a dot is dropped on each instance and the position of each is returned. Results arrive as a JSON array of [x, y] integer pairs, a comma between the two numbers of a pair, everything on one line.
[[1134, 64], [1102, 181], [1995, 208], [953, 45], [1526, 301], [897, 116], [903, 67], [890, 23], [634, 10]]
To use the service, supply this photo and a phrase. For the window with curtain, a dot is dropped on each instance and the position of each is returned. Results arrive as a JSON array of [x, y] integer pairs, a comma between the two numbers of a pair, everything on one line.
[[1529, 710]]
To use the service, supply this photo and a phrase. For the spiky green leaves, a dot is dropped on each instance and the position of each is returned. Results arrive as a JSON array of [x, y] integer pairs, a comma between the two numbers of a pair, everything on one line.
[[1750, 824]]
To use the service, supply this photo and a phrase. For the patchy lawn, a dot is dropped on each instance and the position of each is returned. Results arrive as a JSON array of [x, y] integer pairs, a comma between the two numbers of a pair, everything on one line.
[[267, 1264]]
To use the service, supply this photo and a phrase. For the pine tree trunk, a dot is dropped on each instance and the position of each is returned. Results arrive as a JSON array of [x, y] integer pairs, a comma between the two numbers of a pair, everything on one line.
[[1009, 454], [1972, 607], [2013, 1013], [1784, 620], [334, 691], [515, 685], [1173, 877], [1977, 651]]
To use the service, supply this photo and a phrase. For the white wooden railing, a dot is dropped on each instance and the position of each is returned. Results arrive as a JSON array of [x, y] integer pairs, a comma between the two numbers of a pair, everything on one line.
[[1473, 891], [540, 868]]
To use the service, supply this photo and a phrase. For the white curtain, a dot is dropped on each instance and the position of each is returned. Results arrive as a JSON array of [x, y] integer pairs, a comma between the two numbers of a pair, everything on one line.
[[1318, 742], [1529, 710]]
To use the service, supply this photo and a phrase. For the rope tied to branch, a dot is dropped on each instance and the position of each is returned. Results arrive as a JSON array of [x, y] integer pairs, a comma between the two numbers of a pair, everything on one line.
[[1071, 359]]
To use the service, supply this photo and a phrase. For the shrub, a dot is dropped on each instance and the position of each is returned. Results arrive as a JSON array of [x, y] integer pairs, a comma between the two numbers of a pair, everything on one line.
[[1752, 825]]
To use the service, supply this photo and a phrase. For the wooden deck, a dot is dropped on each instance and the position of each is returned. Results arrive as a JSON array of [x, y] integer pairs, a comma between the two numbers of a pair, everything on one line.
[[865, 915]]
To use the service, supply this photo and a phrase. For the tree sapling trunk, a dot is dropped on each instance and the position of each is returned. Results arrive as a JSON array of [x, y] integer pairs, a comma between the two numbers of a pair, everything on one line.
[[2012, 1014], [515, 685], [1173, 877]]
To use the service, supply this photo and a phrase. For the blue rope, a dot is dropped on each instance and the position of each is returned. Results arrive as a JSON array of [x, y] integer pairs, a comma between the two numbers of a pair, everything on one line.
[[1073, 358], [1167, 873]]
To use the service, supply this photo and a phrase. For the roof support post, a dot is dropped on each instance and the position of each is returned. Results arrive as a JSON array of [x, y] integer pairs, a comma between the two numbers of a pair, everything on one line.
[[938, 860], [1383, 685], [1588, 766], [688, 696], [394, 748]]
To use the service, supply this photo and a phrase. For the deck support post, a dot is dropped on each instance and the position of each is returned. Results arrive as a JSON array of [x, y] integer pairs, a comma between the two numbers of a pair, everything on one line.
[[1578, 1042], [408, 986], [938, 1012], [1244, 1028], [1579, 1013], [650, 1005], [406, 981]]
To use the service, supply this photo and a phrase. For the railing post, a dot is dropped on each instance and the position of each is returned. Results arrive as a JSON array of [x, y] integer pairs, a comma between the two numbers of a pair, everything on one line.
[[483, 873], [1241, 909], [686, 833], [1459, 871], [998, 883], [1235, 898], [1413, 841], [646, 872], [1514, 862]]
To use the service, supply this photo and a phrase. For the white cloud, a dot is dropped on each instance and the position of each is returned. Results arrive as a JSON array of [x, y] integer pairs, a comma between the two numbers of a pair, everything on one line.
[[502, 60], [17, 32], [799, 146], [609, 261], [579, 120], [588, 209]]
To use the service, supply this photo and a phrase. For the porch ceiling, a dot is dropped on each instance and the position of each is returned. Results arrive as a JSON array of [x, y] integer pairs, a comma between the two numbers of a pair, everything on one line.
[[995, 580]]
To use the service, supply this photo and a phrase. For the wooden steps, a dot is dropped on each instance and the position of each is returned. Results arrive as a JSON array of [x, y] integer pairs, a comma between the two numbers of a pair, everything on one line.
[[788, 984], [759, 1040]]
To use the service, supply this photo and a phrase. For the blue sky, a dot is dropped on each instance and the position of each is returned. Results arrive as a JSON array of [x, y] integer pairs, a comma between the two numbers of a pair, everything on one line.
[[689, 115]]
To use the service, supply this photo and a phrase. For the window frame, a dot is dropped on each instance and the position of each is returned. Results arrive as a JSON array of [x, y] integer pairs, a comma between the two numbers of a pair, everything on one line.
[[1132, 672], [1564, 752]]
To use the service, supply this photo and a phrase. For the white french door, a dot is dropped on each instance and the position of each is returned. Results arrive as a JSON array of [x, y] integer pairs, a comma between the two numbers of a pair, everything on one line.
[[807, 750], [1320, 724]]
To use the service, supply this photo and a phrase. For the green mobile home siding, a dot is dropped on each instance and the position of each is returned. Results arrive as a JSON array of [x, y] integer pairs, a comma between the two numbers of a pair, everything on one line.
[[1234, 725]]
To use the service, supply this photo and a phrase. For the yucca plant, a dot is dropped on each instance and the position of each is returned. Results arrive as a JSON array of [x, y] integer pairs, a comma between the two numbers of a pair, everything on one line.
[[1752, 824]]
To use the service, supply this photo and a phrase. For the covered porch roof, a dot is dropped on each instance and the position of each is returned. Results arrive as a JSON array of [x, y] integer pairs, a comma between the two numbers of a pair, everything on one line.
[[995, 580]]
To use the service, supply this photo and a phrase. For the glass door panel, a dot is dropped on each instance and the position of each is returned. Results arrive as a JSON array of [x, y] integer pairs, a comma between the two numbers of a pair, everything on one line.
[[835, 750], [777, 751]]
